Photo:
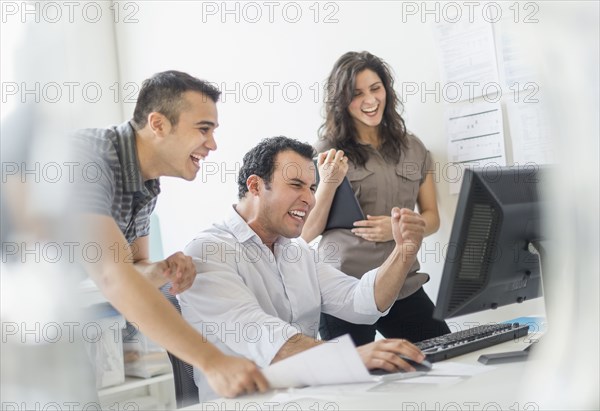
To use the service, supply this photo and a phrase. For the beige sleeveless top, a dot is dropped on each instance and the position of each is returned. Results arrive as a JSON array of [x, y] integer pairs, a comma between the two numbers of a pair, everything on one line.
[[378, 186]]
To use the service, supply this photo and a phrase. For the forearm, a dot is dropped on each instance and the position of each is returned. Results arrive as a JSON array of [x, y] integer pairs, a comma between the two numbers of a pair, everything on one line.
[[137, 298], [390, 278], [317, 219], [294, 345], [432, 222], [148, 309], [151, 272]]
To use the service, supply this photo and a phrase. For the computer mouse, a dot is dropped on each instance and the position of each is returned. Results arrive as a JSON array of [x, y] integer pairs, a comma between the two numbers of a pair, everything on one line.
[[419, 366]]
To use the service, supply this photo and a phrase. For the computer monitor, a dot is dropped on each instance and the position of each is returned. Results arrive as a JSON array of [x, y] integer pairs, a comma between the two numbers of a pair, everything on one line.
[[490, 260]]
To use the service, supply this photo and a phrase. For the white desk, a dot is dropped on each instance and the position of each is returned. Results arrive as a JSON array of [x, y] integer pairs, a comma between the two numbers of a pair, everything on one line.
[[502, 387]]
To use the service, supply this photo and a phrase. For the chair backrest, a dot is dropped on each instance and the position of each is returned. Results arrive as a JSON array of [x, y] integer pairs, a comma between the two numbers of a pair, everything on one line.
[[186, 391]]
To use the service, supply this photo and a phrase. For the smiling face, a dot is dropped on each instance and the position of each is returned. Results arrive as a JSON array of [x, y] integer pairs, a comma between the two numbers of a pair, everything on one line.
[[368, 104], [192, 138], [285, 203]]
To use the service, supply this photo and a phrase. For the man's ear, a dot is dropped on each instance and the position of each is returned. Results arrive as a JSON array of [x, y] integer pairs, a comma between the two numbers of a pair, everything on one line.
[[253, 183], [159, 124]]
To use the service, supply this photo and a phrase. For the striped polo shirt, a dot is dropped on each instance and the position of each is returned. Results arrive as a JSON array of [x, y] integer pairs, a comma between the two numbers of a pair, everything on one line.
[[111, 183]]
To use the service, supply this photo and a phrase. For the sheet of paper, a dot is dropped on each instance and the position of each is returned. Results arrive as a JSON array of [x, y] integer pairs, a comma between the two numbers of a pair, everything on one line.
[[433, 379], [336, 390], [456, 369], [515, 64], [536, 323], [537, 327], [530, 132], [394, 386], [442, 373], [467, 59], [475, 139], [335, 362]]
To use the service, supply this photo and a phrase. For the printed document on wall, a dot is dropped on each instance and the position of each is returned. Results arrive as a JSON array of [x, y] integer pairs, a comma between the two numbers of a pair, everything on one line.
[[467, 60], [475, 139], [530, 133], [516, 68]]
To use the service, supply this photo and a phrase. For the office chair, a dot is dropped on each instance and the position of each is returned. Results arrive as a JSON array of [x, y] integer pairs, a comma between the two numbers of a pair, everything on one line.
[[186, 392]]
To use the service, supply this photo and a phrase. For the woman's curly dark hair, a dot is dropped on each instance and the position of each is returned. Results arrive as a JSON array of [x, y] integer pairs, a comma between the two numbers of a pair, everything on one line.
[[339, 129]]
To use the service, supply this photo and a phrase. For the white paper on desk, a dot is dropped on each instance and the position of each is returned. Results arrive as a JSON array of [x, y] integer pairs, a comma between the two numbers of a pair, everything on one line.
[[335, 362], [456, 369], [433, 379]]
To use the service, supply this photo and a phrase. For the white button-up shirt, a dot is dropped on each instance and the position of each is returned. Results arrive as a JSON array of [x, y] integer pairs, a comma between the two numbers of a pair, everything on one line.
[[249, 301]]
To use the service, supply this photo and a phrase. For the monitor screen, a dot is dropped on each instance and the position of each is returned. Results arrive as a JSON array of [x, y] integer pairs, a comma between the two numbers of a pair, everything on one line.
[[489, 262]]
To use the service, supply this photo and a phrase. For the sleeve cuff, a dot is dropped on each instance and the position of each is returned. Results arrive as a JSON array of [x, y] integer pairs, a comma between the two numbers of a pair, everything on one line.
[[263, 349]]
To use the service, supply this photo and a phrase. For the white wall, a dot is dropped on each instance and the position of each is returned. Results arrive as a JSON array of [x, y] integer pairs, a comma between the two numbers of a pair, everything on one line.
[[226, 48], [563, 41], [237, 56]]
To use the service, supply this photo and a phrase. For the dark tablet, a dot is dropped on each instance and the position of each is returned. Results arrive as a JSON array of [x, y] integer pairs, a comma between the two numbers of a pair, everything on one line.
[[345, 209]]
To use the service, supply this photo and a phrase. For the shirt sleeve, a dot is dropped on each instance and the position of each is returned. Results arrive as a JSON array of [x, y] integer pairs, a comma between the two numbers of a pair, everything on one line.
[[348, 298], [224, 310], [94, 179]]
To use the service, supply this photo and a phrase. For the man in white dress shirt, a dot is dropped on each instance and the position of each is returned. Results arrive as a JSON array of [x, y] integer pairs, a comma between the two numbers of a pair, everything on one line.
[[262, 288]]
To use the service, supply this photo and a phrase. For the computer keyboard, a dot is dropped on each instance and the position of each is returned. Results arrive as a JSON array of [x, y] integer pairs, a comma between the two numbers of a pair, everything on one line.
[[463, 342]]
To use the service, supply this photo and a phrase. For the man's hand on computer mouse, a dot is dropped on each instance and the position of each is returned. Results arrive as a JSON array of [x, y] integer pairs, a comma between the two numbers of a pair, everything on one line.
[[232, 376], [408, 229], [385, 354]]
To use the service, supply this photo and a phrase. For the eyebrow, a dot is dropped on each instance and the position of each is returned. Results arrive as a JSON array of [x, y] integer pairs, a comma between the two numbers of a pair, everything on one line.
[[302, 182], [374, 84], [205, 123]]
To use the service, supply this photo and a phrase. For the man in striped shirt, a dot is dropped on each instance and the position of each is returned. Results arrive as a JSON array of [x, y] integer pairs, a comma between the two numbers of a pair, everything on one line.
[[170, 133]]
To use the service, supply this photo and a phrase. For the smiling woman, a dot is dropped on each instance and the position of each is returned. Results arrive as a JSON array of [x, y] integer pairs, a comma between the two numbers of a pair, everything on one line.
[[367, 106], [387, 167]]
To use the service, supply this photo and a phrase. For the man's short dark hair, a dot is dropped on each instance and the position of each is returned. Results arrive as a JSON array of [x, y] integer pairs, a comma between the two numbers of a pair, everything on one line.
[[162, 93], [261, 159]]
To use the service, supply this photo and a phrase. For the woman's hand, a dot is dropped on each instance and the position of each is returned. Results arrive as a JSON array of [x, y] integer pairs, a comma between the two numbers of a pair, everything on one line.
[[375, 228], [333, 166]]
